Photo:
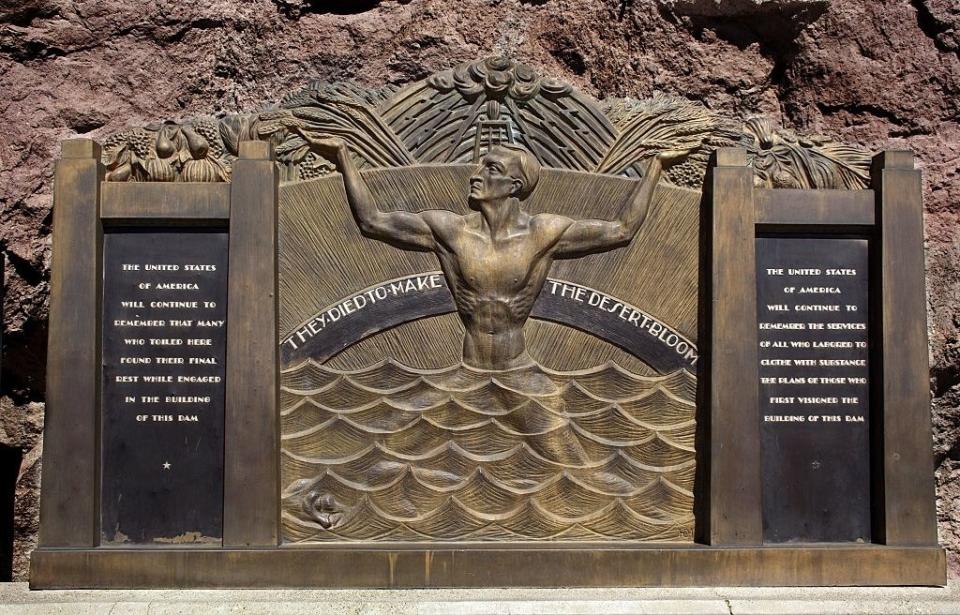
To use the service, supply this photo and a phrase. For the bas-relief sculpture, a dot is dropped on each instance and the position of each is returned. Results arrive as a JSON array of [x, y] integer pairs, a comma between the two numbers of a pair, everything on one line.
[[496, 447], [486, 426]]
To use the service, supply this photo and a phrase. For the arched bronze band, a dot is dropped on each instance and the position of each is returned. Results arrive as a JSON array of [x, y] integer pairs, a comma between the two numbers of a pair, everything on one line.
[[421, 295]]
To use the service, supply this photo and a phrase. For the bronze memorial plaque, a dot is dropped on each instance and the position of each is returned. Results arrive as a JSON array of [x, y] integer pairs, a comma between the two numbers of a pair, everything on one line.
[[164, 341], [483, 330]]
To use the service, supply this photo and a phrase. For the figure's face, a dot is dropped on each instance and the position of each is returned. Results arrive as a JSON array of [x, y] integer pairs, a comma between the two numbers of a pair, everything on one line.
[[493, 179]]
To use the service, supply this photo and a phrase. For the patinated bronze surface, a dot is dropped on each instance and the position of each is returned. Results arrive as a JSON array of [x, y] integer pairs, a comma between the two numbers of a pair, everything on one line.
[[495, 447], [492, 445]]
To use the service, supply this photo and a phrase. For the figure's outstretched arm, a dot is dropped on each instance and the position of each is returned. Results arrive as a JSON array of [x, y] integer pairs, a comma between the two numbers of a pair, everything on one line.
[[409, 230], [585, 236]]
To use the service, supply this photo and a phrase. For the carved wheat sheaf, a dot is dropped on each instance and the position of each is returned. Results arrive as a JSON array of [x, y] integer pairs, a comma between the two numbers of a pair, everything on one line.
[[338, 110], [454, 115], [662, 123], [395, 453]]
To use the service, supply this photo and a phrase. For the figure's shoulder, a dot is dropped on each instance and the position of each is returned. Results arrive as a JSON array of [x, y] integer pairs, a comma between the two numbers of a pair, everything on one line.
[[549, 223], [443, 217], [444, 223]]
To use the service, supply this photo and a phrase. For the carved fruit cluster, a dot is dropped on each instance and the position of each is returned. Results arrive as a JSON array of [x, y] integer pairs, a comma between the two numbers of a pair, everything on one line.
[[188, 152]]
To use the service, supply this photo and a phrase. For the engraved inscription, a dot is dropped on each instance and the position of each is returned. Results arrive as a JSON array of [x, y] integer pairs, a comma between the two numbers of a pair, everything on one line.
[[403, 299], [164, 338], [814, 388]]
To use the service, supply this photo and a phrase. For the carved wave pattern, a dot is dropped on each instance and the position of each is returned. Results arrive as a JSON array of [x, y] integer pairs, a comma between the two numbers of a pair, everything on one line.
[[392, 453]]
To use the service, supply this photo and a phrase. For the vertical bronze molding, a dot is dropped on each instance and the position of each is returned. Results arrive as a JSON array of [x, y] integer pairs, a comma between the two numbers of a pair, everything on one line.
[[68, 502], [251, 470], [909, 512], [735, 498]]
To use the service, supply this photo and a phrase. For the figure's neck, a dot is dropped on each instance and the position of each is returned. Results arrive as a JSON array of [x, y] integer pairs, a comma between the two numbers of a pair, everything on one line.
[[498, 217]]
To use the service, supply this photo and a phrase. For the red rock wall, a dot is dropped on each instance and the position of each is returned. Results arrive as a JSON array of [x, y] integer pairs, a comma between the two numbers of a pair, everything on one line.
[[880, 73]]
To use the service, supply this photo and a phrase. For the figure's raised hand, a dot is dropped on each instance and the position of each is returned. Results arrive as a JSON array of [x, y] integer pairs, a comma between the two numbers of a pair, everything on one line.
[[328, 147], [674, 156]]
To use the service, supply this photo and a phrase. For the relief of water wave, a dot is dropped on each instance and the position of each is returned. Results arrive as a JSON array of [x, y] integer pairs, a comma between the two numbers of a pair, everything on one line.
[[393, 453]]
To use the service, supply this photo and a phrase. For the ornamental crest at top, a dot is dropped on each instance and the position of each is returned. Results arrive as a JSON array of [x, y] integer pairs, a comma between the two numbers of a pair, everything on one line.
[[497, 77], [454, 116]]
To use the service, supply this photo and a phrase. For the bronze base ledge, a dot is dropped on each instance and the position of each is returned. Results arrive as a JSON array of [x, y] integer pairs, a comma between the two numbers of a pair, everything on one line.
[[475, 566]]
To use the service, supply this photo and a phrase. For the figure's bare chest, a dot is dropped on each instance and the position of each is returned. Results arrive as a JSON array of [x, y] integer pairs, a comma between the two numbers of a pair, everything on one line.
[[488, 265]]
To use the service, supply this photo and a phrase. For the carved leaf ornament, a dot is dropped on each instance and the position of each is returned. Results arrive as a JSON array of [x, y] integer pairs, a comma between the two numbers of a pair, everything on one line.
[[781, 159], [455, 115]]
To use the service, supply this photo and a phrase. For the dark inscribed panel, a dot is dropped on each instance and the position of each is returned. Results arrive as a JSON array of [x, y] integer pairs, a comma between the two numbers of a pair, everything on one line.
[[812, 310], [163, 353]]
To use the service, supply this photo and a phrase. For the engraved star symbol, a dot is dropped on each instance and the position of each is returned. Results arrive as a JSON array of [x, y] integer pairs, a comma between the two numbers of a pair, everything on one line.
[[166, 465]]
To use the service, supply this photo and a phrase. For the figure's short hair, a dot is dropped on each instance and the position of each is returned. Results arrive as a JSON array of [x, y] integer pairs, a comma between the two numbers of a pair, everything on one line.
[[527, 167]]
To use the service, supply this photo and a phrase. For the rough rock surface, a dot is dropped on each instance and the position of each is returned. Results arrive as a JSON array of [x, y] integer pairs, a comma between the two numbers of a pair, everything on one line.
[[21, 427], [877, 73]]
